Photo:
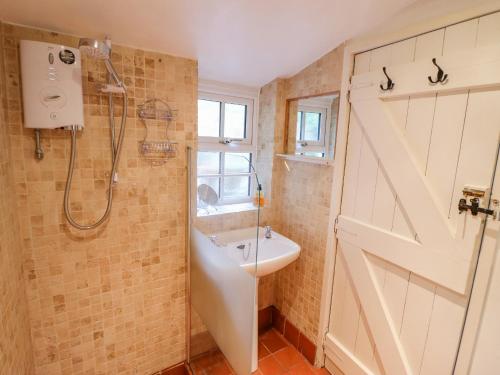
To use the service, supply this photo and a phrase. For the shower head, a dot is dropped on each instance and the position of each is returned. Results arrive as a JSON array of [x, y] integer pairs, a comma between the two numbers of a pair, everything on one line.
[[101, 50], [94, 48]]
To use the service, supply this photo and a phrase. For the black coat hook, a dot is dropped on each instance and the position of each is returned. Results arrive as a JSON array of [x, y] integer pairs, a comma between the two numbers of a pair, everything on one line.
[[441, 77], [390, 83]]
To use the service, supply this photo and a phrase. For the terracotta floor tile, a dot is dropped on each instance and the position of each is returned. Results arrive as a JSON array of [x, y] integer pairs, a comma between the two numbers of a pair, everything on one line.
[[221, 368], [196, 367], [263, 352], [288, 357], [209, 363], [197, 370], [276, 357], [273, 341], [270, 366], [207, 360], [303, 368]]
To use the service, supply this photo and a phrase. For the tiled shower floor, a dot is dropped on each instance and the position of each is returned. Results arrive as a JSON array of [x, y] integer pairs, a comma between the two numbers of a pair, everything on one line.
[[276, 356]]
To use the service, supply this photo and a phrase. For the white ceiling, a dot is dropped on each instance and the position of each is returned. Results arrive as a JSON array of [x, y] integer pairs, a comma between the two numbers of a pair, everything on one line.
[[248, 42]]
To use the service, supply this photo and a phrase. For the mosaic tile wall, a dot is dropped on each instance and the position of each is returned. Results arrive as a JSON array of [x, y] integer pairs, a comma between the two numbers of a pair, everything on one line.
[[16, 353], [302, 204], [111, 300], [270, 142], [322, 76], [303, 215], [270, 132]]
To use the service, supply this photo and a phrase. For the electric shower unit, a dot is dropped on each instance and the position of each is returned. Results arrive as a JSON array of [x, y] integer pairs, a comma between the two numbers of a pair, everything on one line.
[[53, 98], [52, 85]]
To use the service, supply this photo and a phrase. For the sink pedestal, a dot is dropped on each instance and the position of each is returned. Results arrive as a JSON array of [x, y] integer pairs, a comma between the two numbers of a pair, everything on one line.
[[255, 350], [258, 258]]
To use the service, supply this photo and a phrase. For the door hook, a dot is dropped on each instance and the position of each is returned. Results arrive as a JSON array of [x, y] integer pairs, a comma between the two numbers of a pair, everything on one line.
[[390, 83], [441, 77]]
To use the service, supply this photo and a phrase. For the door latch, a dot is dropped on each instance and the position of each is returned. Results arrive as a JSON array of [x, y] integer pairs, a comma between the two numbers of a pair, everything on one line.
[[473, 207]]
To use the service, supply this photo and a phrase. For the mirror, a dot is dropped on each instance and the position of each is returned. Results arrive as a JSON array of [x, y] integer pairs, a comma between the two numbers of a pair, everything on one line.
[[312, 126]]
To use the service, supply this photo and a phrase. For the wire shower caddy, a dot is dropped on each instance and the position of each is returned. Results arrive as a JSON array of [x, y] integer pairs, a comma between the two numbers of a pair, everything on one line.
[[156, 113]]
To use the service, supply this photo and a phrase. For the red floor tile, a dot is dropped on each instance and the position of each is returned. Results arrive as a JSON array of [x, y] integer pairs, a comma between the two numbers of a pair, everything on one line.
[[276, 357], [288, 357], [270, 366], [221, 368], [273, 341], [263, 352], [303, 368], [213, 363]]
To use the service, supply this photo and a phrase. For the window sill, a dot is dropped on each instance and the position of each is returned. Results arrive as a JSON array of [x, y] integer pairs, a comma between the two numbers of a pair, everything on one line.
[[306, 159], [226, 209]]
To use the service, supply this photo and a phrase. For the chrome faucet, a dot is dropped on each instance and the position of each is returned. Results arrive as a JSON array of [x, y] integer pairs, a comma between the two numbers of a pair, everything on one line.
[[268, 231]]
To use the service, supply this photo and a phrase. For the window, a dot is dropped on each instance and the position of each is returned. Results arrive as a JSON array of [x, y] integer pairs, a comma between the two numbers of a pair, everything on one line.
[[226, 146], [311, 124], [228, 173], [224, 119]]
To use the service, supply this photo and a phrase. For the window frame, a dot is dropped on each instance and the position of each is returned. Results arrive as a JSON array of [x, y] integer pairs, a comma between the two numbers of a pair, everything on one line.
[[227, 99], [313, 146], [232, 94], [222, 176]]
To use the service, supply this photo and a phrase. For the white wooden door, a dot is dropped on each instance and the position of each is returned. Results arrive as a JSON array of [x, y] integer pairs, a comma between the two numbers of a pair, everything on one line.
[[480, 345], [405, 257]]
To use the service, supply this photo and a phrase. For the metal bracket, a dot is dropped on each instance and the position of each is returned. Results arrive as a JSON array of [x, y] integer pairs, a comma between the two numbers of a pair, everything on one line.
[[475, 191], [38, 145]]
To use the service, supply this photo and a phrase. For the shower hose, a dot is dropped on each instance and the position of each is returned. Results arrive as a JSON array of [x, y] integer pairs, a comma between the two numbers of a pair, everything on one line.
[[115, 156]]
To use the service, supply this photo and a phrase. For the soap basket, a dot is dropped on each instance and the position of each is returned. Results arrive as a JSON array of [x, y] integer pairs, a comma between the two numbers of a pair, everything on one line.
[[156, 147]]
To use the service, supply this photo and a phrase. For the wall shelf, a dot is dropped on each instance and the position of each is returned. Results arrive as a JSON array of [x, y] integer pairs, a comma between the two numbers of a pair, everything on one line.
[[306, 159]]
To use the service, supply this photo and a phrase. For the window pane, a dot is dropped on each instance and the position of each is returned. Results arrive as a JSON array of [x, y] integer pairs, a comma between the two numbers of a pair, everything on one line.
[[237, 187], [312, 126], [237, 163], [213, 182], [315, 154], [234, 120], [208, 162], [208, 118], [299, 124]]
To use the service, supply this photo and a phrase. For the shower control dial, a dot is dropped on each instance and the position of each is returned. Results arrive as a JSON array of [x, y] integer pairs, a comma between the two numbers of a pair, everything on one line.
[[67, 56]]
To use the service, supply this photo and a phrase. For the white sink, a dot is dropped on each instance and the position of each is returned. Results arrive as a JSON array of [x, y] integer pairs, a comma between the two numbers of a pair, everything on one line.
[[223, 268], [274, 253]]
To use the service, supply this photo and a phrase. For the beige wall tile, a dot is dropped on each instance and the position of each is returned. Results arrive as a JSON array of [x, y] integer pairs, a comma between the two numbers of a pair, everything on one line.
[[111, 300], [301, 198], [16, 352], [303, 195]]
